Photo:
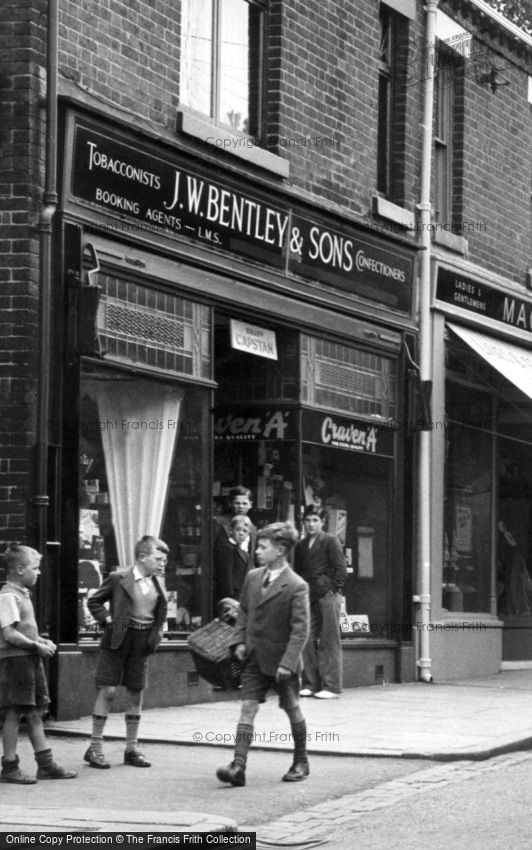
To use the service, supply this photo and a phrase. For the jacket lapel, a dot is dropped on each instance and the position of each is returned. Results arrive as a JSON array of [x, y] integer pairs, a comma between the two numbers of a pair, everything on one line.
[[127, 582]]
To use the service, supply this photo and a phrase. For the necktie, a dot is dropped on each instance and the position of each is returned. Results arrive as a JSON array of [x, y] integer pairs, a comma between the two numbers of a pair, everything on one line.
[[266, 580]]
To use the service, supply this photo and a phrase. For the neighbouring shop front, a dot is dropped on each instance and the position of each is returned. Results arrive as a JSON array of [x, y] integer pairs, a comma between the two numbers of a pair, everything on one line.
[[483, 458], [219, 337]]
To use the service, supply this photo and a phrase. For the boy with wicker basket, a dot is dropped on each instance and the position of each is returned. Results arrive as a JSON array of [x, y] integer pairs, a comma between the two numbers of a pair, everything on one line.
[[271, 630]]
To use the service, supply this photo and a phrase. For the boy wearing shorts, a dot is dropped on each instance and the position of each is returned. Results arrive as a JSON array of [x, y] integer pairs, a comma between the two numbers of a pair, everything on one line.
[[271, 630], [23, 687]]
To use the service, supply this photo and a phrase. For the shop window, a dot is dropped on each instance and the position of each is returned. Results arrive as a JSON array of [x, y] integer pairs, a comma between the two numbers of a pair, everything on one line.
[[142, 471], [468, 520], [142, 326], [221, 61], [355, 491], [339, 377], [393, 50], [448, 133]]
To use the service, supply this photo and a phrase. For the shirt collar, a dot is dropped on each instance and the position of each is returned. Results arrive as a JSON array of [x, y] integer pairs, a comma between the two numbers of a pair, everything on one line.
[[137, 575], [273, 574], [12, 586]]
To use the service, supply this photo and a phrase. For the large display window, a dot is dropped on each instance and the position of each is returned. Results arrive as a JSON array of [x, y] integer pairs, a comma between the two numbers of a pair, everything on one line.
[[142, 471], [355, 490], [468, 519], [144, 438]]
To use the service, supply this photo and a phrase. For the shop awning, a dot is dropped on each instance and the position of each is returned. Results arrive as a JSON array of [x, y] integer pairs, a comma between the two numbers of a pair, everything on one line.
[[512, 361]]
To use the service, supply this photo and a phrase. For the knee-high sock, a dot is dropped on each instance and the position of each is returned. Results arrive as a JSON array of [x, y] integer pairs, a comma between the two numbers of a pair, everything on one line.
[[244, 737], [98, 725], [132, 730], [299, 733]]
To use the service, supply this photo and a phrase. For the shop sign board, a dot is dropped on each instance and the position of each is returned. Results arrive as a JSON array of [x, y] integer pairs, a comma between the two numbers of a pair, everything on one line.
[[350, 261], [467, 293], [339, 432], [127, 179], [254, 423], [253, 340], [140, 190]]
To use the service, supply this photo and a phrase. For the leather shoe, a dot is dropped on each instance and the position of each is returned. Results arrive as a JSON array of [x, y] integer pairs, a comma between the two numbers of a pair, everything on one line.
[[306, 692], [233, 773], [95, 758], [136, 759], [299, 771]]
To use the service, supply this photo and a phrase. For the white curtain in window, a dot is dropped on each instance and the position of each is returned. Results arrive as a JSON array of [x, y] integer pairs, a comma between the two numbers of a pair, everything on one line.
[[138, 443]]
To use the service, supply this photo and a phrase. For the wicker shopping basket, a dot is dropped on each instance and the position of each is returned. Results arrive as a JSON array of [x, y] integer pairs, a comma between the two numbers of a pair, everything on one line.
[[211, 650]]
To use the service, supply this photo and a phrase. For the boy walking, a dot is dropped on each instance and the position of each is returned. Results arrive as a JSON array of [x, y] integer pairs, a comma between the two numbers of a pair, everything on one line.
[[23, 687], [271, 630]]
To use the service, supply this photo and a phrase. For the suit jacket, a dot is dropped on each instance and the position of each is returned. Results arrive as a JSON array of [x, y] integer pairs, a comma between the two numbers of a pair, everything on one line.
[[222, 531], [322, 565], [117, 589], [274, 624], [231, 564]]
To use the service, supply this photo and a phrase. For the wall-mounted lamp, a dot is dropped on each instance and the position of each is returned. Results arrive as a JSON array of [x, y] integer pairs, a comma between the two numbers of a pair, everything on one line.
[[492, 78]]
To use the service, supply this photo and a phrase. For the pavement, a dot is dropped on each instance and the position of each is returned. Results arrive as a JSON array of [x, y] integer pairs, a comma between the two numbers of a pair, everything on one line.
[[473, 719], [461, 721]]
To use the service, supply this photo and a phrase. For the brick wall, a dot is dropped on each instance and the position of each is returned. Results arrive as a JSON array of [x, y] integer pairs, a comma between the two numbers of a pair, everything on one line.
[[21, 43], [124, 54], [498, 174]]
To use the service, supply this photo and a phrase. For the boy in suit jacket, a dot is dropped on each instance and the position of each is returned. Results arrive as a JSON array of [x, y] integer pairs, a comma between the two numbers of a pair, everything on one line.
[[131, 607], [319, 559], [231, 559], [271, 630]]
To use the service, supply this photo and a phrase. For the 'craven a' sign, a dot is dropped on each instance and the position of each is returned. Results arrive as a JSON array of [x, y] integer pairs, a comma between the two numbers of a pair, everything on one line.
[[354, 435]]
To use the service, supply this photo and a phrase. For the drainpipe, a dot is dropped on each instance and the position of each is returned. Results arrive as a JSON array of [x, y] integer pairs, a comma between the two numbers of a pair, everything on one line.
[[423, 598], [41, 498]]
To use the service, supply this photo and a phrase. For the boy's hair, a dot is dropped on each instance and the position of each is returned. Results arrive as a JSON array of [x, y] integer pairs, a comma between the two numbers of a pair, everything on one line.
[[281, 533], [239, 490], [315, 510], [16, 554], [240, 518], [145, 544]]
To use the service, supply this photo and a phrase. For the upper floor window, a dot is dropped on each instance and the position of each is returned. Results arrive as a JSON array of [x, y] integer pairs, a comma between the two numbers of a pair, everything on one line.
[[221, 61], [448, 129], [393, 52]]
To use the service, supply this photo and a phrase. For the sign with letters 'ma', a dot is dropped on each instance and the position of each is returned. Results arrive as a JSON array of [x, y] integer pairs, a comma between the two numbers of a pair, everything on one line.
[[482, 300]]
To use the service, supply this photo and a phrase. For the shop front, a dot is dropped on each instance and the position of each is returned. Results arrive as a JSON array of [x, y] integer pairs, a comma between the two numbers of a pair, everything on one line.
[[217, 337], [482, 454]]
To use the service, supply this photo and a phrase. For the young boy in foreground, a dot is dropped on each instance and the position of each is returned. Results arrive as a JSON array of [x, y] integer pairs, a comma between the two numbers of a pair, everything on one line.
[[271, 630], [23, 687]]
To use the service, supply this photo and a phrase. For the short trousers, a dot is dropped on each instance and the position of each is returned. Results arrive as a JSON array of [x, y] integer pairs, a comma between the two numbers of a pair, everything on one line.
[[127, 665], [23, 682], [256, 684]]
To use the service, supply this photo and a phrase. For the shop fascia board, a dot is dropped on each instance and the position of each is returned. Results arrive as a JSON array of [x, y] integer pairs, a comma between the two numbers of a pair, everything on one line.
[[311, 306], [482, 274]]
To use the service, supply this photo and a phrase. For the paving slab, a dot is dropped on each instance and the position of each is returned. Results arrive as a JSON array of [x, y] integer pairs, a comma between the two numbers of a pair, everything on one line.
[[24, 819]]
